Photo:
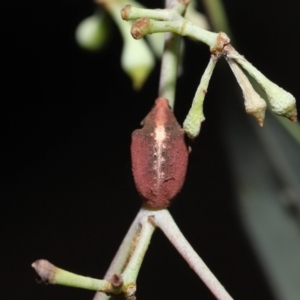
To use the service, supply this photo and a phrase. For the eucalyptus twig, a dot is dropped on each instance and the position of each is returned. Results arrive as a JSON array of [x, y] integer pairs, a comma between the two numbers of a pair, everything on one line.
[[166, 223], [130, 12], [133, 249], [170, 58], [126, 250], [121, 257], [49, 273], [135, 261], [195, 117], [169, 65], [121, 276], [181, 27], [162, 219], [169, 68]]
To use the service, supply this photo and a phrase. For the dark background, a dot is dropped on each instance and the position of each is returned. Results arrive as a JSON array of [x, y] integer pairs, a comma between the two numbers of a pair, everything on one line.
[[67, 191]]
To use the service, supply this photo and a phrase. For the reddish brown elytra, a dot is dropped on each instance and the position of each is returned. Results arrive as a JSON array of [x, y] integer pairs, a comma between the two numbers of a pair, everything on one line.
[[159, 156]]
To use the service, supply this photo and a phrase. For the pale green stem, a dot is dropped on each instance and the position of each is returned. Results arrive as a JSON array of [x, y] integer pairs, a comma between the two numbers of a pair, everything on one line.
[[124, 251], [261, 79], [132, 269], [182, 27], [121, 257], [70, 279], [169, 68], [132, 13], [170, 58], [195, 117], [54, 275], [166, 223]]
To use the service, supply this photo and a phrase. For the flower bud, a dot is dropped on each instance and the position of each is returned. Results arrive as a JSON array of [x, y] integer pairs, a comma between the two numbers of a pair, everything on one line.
[[156, 42], [92, 32], [137, 60], [196, 17], [254, 104], [282, 102]]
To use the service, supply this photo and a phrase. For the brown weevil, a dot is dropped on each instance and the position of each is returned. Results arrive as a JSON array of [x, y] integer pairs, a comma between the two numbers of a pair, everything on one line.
[[159, 156]]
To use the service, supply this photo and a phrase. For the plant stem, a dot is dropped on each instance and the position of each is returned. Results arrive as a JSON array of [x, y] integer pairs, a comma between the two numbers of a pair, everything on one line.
[[166, 223], [170, 58], [132, 269], [54, 275], [195, 117], [122, 256], [169, 68], [181, 27], [132, 13]]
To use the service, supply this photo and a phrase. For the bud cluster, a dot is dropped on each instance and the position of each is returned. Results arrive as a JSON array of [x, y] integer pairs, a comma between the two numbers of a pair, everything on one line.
[[151, 21]]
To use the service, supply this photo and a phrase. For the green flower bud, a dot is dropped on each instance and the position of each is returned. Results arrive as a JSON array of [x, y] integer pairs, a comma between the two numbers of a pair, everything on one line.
[[254, 104], [92, 32], [156, 42], [282, 102], [137, 60], [196, 17]]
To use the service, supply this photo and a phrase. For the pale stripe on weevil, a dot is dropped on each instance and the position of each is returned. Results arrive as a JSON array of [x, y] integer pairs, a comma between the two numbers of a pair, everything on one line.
[[160, 137]]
